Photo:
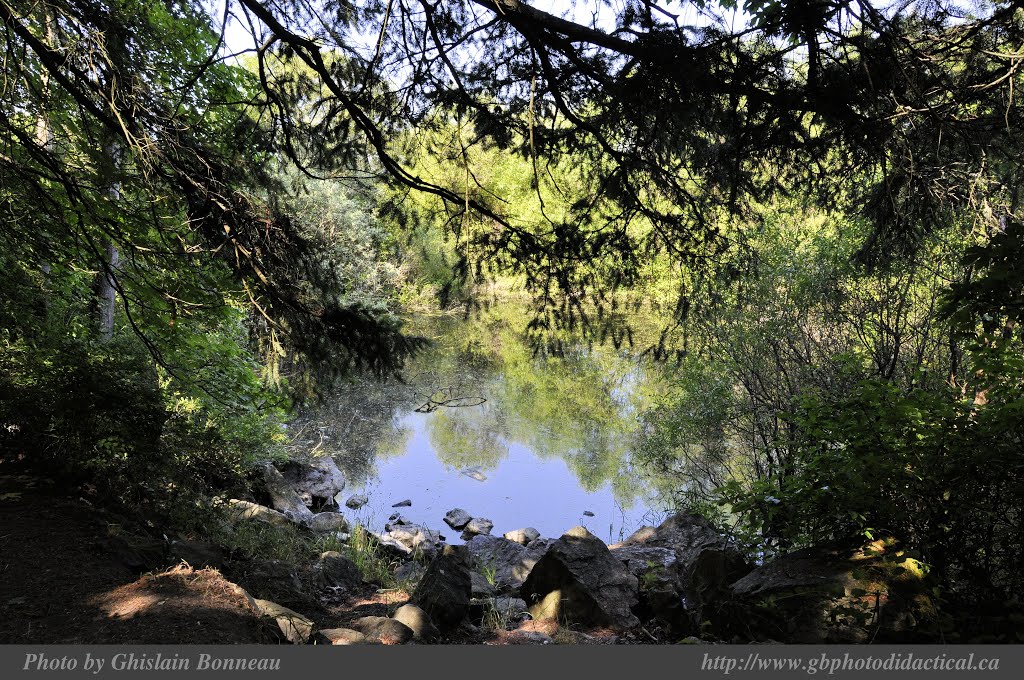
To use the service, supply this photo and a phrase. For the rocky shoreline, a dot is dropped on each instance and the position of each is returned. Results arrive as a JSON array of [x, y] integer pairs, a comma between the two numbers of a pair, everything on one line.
[[683, 578]]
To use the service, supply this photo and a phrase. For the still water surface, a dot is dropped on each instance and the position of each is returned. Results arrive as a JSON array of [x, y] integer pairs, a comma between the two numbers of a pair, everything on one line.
[[483, 423]]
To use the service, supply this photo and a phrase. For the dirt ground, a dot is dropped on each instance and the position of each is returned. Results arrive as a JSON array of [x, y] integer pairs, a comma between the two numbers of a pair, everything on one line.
[[63, 580]]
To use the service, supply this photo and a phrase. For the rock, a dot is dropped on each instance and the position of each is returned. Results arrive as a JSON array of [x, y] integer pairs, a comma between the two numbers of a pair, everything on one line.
[[510, 609], [510, 562], [357, 501], [477, 527], [382, 629], [402, 504], [334, 570], [639, 536], [283, 497], [417, 621], [296, 627], [416, 538], [444, 591], [523, 536], [396, 520], [480, 586], [457, 518], [316, 481], [835, 594], [343, 636], [389, 545], [662, 590], [579, 580], [245, 510], [326, 522], [411, 571], [684, 567]]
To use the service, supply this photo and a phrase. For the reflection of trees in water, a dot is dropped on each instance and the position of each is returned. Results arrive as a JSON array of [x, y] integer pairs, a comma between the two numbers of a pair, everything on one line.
[[579, 407], [484, 389], [467, 438], [359, 426]]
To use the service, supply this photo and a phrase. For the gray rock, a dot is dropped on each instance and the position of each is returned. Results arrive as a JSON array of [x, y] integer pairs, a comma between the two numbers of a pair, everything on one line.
[[511, 608], [342, 636], [477, 526], [389, 545], [356, 501], [325, 522], [688, 566], [445, 589], [317, 481], [283, 496], [457, 518], [416, 538], [244, 510], [579, 580], [481, 587], [523, 536], [411, 571], [510, 562], [397, 520], [417, 621], [662, 591], [640, 535], [834, 594], [334, 570], [382, 629], [403, 504], [295, 627]]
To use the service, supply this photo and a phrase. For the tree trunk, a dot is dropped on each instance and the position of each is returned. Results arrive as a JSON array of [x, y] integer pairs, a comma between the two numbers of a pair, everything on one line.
[[106, 289]]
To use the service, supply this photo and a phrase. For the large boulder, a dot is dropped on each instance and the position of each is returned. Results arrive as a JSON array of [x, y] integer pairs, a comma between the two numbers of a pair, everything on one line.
[[316, 481], [505, 563], [684, 567], [283, 496], [445, 589], [661, 588], [578, 580], [834, 594]]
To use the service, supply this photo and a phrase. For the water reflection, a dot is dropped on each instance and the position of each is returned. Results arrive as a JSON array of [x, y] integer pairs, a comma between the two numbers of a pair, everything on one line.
[[483, 424]]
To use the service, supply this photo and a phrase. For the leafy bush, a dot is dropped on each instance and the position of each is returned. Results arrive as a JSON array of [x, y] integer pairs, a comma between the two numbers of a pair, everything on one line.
[[931, 468]]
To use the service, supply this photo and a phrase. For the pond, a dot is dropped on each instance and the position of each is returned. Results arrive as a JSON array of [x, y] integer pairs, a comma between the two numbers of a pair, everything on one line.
[[482, 422]]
